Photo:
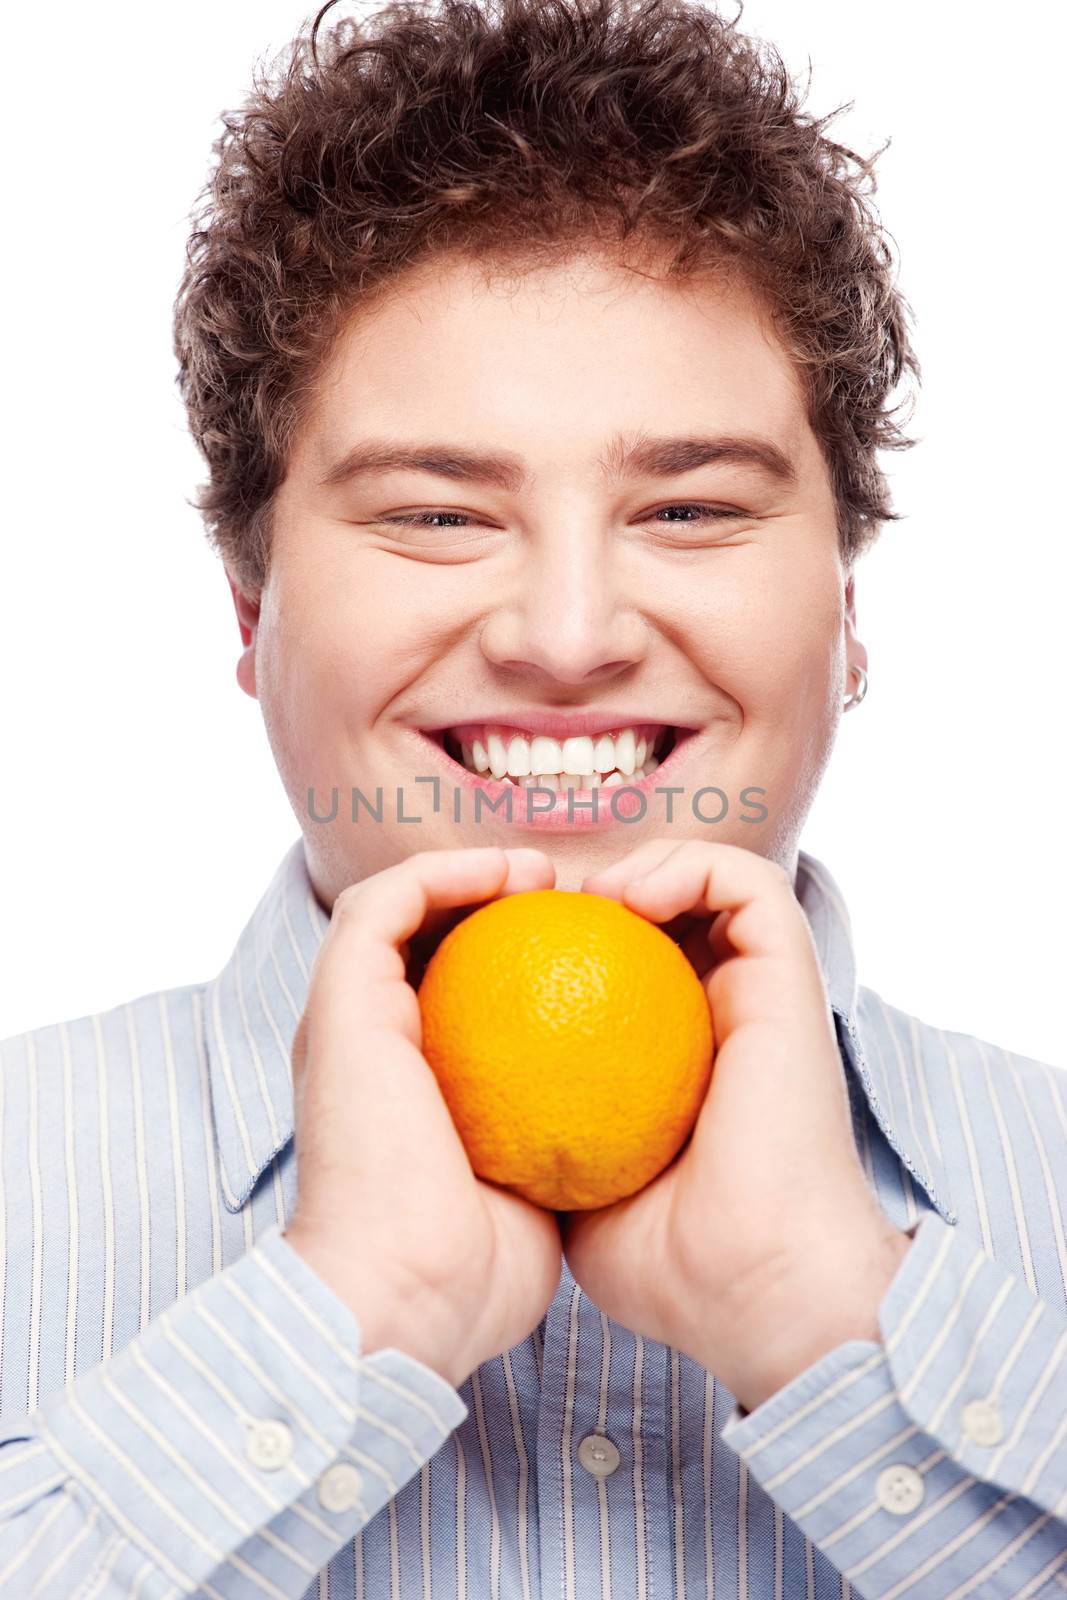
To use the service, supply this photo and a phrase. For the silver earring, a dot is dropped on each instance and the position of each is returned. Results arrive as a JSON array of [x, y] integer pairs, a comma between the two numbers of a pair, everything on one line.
[[861, 688]]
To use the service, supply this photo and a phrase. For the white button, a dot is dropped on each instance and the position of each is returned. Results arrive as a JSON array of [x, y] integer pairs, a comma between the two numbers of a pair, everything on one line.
[[981, 1422], [338, 1488], [269, 1443], [899, 1489], [598, 1455]]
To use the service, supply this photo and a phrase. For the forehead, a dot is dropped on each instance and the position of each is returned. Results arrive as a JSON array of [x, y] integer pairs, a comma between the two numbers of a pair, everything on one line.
[[576, 349]]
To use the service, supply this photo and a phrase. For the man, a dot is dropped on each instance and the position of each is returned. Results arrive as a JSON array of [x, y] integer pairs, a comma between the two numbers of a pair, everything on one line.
[[540, 360]]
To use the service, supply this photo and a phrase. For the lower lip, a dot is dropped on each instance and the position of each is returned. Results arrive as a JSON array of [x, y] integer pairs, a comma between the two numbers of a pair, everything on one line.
[[558, 817]]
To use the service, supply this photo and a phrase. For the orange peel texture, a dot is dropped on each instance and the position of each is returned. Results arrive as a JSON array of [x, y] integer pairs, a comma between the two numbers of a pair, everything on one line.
[[572, 1042]]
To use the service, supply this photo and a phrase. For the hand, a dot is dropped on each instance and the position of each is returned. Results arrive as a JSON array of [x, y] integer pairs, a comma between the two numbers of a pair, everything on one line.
[[762, 1245], [431, 1260]]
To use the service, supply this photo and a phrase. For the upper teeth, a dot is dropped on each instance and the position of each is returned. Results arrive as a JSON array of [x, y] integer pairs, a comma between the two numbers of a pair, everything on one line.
[[518, 755]]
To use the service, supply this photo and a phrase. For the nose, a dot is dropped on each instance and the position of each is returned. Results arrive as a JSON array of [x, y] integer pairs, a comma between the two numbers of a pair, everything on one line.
[[567, 614]]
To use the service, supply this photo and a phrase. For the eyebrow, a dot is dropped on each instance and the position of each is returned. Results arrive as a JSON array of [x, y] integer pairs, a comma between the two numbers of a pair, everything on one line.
[[646, 456]]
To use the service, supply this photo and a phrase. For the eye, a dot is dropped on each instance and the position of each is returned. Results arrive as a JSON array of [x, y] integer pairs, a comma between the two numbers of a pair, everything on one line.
[[703, 513], [441, 535], [422, 519]]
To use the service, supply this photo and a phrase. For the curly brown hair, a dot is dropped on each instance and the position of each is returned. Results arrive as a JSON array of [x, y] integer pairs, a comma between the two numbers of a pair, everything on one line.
[[508, 131]]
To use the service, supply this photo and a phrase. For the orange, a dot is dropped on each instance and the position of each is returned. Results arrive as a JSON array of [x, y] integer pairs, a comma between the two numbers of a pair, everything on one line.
[[572, 1042]]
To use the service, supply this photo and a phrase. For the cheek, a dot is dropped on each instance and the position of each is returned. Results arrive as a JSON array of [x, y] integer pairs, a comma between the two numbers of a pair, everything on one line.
[[807, 639], [770, 634], [313, 672], [347, 642]]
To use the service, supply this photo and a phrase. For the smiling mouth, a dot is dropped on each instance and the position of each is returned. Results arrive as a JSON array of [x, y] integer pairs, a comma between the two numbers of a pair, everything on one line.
[[510, 755]]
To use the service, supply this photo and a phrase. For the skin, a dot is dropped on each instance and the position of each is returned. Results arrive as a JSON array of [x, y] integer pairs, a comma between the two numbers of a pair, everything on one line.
[[573, 592], [577, 591]]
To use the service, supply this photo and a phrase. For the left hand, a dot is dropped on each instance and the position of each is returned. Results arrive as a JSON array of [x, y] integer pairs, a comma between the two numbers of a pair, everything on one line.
[[762, 1246]]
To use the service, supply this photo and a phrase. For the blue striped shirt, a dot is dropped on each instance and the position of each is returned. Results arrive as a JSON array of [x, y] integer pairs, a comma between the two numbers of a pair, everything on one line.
[[185, 1410]]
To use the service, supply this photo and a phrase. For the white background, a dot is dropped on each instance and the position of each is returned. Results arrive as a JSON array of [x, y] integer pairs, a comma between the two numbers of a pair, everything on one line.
[[142, 812]]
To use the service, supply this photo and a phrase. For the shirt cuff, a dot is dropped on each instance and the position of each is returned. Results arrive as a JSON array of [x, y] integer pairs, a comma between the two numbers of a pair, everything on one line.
[[938, 1453], [245, 1406]]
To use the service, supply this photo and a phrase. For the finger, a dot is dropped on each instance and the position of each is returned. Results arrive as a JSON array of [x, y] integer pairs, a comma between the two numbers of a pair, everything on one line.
[[610, 880], [528, 869], [765, 917], [394, 904], [720, 946]]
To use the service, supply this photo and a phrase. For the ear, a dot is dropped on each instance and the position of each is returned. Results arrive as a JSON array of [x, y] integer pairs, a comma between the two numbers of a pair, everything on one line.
[[855, 649], [247, 608]]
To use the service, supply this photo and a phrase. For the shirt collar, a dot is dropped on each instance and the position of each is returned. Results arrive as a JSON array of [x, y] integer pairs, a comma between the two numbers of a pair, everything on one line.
[[250, 1015], [252, 1007], [882, 1047]]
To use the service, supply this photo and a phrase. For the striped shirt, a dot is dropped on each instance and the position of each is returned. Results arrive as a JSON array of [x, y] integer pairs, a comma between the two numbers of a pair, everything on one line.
[[184, 1408]]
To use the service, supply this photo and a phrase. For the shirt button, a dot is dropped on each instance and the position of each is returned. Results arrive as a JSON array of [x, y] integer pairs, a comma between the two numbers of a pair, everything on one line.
[[598, 1455], [269, 1443], [981, 1422], [338, 1488], [899, 1489]]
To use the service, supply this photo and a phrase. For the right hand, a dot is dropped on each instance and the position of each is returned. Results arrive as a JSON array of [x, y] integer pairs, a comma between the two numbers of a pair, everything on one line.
[[431, 1260]]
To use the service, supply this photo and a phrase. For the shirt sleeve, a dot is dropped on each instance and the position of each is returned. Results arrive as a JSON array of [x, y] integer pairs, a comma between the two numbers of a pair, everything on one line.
[[934, 1461], [231, 1448]]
